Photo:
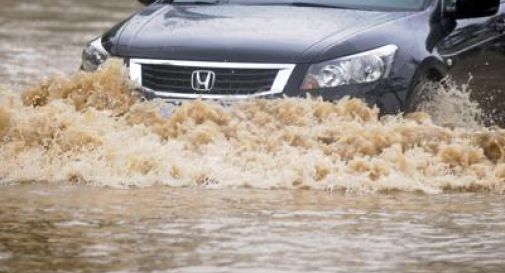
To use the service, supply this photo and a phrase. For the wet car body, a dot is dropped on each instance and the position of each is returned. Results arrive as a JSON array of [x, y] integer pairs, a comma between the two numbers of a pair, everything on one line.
[[224, 38]]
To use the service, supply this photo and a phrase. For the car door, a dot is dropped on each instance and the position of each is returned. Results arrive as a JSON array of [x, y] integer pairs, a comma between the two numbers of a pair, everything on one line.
[[475, 52]]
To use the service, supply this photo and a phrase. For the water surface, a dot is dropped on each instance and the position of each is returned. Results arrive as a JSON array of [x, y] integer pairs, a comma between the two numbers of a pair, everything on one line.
[[42, 37], [46, 228]]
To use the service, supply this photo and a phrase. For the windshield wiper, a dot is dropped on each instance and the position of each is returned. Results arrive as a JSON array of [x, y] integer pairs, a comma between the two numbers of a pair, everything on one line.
[[195, 2], [273, 3], [303, 4]]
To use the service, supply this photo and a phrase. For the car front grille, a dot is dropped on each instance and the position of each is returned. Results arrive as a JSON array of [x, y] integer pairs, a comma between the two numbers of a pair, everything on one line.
[[174, 78], [228, 81]]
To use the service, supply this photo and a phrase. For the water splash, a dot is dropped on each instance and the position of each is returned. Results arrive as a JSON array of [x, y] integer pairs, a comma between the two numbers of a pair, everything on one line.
[[450, 104], [91, 128]]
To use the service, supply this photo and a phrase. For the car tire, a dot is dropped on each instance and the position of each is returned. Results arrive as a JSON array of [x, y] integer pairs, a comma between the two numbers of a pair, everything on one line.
[[422, 92]]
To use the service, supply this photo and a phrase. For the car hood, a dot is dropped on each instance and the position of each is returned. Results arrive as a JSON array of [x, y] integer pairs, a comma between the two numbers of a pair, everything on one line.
[[280, 34]]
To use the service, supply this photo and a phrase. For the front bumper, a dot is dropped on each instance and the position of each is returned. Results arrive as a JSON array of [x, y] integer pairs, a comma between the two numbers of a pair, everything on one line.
[[367, 92]]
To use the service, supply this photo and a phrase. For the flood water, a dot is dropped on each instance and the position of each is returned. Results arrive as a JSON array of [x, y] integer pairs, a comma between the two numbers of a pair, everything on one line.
[[67, 207], [42, 37], [81, 229]]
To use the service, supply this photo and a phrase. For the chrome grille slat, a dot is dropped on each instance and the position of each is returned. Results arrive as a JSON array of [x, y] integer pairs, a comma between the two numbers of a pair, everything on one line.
[[158, 76], [227, 72]]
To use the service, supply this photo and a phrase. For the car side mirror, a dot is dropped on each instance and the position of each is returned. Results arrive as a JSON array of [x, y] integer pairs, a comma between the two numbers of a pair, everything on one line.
[[147, 2], [461, 9]]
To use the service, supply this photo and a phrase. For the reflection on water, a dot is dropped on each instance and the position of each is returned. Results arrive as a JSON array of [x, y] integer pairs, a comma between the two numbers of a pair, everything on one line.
[[80, 229], [64, 227]]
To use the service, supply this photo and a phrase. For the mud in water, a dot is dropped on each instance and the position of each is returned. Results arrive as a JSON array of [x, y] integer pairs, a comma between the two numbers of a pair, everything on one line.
[[92, 128]]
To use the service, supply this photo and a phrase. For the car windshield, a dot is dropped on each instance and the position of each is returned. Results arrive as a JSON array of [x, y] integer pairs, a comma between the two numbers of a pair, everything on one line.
[[350, 4]]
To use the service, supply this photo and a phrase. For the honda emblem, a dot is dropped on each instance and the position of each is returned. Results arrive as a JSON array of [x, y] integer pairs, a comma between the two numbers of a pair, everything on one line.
[[203, 80]]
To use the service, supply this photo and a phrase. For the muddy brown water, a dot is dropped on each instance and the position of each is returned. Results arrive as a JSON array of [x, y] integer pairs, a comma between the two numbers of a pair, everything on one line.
[[42, 37], [224, 222]]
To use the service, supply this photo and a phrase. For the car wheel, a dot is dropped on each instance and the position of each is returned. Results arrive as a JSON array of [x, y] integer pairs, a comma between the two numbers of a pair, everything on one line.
[[423, 91]]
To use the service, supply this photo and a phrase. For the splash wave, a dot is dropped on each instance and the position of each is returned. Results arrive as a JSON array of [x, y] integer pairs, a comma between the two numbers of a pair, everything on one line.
[[92, 128]]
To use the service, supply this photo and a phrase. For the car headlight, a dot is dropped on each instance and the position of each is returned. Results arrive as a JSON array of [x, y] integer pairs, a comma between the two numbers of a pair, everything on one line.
[[94, 55], [364, 67]]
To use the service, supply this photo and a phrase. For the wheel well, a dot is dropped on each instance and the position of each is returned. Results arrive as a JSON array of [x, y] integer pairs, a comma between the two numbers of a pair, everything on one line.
[[434, 75]]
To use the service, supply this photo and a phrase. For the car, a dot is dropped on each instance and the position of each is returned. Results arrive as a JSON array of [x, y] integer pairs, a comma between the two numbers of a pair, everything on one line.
[[382, 51]]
